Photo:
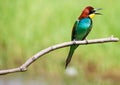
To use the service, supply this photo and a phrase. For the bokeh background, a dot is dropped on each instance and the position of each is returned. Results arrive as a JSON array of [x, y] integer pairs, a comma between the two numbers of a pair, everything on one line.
[[28, 26]]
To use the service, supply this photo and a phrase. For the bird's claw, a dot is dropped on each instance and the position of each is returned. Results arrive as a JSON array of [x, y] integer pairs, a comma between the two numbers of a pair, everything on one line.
[[86, 41], [74, 42]]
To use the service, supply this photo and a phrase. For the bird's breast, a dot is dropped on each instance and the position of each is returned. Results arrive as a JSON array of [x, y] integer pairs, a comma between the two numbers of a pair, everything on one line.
[[84, 23], [82, 28]]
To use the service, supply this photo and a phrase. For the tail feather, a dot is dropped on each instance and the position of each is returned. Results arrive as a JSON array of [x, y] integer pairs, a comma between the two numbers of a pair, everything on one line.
[[72, 49]]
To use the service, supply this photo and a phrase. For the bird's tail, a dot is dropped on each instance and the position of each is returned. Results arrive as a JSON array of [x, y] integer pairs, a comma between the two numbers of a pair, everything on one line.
[[72, 49]]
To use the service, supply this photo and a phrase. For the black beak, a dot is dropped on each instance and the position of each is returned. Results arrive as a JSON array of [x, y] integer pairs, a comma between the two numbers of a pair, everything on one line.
[[95, 11]]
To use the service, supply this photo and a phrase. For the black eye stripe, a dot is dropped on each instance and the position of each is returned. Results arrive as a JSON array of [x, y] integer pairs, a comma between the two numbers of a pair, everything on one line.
[[92, 11]]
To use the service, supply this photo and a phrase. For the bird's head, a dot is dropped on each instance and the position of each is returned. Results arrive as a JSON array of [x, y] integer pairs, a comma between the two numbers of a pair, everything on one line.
[[90, 12]]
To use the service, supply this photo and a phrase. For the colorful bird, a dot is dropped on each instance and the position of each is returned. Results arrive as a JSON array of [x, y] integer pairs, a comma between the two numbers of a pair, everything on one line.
[[82, 28]]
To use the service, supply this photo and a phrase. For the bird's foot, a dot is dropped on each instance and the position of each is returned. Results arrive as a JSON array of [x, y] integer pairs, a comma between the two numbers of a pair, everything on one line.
[[86, 41], [74, 42]]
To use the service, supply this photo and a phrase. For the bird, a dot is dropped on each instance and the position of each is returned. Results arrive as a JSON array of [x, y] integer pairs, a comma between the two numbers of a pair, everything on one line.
[[81, 28]]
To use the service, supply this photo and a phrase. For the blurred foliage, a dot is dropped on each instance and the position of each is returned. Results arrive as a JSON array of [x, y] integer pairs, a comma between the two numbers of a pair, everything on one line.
[[28, 26]]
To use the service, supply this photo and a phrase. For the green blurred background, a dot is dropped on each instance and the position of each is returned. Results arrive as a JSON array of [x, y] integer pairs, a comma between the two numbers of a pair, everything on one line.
[[28, 26]]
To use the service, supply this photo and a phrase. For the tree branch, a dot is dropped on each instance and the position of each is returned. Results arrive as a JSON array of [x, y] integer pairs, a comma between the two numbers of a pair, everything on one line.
[[32, 59]]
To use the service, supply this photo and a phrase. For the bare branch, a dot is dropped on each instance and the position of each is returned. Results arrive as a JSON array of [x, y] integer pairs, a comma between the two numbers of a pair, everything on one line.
[[24, 66]]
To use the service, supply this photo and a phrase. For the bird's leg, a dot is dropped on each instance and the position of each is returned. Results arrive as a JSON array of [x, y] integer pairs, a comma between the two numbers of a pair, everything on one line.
[[86, 41], [74, 42]]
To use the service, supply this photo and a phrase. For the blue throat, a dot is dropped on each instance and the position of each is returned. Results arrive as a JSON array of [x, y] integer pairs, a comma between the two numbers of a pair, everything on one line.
[[84, 23]]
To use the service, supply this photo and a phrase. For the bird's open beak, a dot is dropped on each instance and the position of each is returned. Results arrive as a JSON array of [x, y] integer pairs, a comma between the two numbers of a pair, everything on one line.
[[97, 10], [94, 12]]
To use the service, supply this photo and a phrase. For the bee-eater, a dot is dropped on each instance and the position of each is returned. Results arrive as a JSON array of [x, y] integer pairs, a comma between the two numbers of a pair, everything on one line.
[[81, 28]]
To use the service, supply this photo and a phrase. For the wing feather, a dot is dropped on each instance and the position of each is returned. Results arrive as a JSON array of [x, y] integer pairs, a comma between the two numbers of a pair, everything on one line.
[[74, 31]]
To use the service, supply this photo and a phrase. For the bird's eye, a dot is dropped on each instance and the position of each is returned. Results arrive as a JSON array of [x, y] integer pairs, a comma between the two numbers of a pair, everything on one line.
[[92, 11]]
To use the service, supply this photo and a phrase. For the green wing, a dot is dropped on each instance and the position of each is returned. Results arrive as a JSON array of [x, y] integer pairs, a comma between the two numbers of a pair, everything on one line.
[[73, 31]]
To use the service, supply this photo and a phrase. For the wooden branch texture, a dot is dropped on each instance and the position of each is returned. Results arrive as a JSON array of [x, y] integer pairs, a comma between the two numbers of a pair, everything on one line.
[[32, 59]]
